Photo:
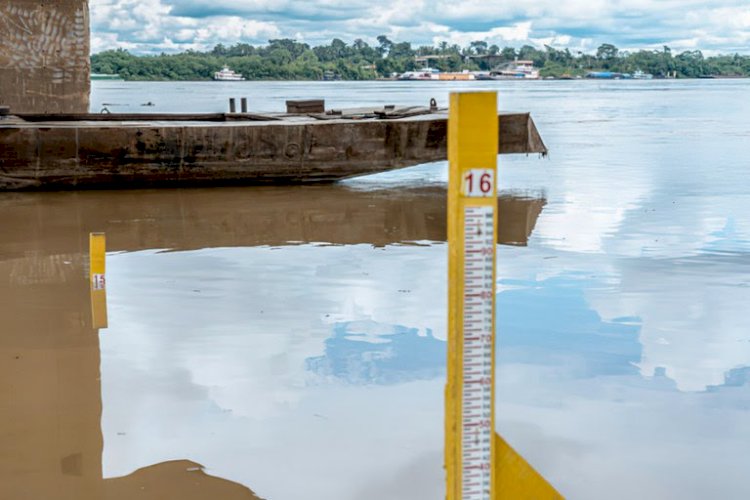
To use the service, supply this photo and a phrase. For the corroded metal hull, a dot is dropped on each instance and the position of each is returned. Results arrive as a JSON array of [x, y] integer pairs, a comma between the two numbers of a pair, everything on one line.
[[129, 151], [191, 219]]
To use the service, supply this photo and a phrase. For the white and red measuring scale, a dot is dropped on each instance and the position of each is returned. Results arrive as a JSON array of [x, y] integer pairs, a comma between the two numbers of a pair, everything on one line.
[[477, 370], [472, 233]]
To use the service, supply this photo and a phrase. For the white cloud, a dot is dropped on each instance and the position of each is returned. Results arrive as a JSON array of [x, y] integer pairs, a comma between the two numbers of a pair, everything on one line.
[[510, 35], [149, 26], [156, 25]]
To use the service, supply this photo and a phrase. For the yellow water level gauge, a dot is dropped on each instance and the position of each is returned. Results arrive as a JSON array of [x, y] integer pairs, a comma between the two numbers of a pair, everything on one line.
[[479, 465], [472, 222]]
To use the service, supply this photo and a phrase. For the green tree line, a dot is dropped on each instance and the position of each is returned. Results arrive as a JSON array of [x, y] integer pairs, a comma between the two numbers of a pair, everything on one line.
[[286, 59]]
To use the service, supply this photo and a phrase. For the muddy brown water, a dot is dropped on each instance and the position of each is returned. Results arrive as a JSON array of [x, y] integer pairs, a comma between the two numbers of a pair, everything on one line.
[[289, 342], [51, 355]]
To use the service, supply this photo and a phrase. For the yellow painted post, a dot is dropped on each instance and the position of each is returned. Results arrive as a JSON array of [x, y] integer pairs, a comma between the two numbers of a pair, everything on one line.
[[97, 279], [480, 465], [472, 233]]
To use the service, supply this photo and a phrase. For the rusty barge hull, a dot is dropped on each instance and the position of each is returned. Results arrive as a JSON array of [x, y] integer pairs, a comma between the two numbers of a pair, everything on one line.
[[129, 151]]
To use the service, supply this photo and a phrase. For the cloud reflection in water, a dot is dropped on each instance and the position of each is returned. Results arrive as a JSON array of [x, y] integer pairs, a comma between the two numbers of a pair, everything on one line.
[[363, 352]]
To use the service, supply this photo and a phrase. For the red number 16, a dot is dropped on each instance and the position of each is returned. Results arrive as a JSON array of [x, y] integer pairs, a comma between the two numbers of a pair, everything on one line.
[[485, 183]]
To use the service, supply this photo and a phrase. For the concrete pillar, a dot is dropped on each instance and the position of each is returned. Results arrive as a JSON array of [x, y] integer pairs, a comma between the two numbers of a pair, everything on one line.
[[44, 56]]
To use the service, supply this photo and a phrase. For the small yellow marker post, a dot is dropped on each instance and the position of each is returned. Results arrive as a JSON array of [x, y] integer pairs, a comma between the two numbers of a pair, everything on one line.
[[479, 464], [97, 279]]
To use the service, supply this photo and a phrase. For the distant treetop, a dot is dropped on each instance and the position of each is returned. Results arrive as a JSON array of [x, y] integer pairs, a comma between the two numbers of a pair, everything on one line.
[[287, 59]]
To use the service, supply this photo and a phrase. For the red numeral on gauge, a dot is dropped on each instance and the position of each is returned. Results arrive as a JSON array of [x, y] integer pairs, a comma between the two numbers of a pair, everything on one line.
[[478, 183]]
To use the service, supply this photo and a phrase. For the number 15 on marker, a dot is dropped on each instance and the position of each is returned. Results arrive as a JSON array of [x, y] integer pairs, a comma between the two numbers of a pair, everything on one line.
[[478, 183]]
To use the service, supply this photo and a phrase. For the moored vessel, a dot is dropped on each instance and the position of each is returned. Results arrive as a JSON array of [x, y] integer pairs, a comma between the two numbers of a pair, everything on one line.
[[640, 75], [432, 74], [517, 70], [90, 151], [421, 74], [227, 75]]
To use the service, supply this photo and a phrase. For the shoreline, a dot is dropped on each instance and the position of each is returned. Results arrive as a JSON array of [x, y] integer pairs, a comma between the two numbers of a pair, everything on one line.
[[428, 81]]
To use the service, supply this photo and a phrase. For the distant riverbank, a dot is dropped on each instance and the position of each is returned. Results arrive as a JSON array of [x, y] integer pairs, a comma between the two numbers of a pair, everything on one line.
[[289, 60], [394, 79]]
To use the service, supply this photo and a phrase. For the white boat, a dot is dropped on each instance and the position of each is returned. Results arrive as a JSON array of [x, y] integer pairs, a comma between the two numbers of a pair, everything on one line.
[[227, 75], [517, 70], [435, 75], [640, 75], [106, 76], [422, 74]]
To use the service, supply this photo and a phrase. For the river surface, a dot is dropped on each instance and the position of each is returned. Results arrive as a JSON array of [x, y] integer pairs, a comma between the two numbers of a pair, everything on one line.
[[291, 341]]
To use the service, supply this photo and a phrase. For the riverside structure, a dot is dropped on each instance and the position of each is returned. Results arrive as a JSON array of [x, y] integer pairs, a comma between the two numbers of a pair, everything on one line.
[[39, 152]]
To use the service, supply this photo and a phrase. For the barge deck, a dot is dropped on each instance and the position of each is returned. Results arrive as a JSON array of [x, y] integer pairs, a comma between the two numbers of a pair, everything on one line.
[[92, 151]]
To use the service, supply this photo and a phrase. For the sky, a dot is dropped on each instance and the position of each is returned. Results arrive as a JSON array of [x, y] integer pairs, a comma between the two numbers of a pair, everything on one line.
[[154, 26]]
